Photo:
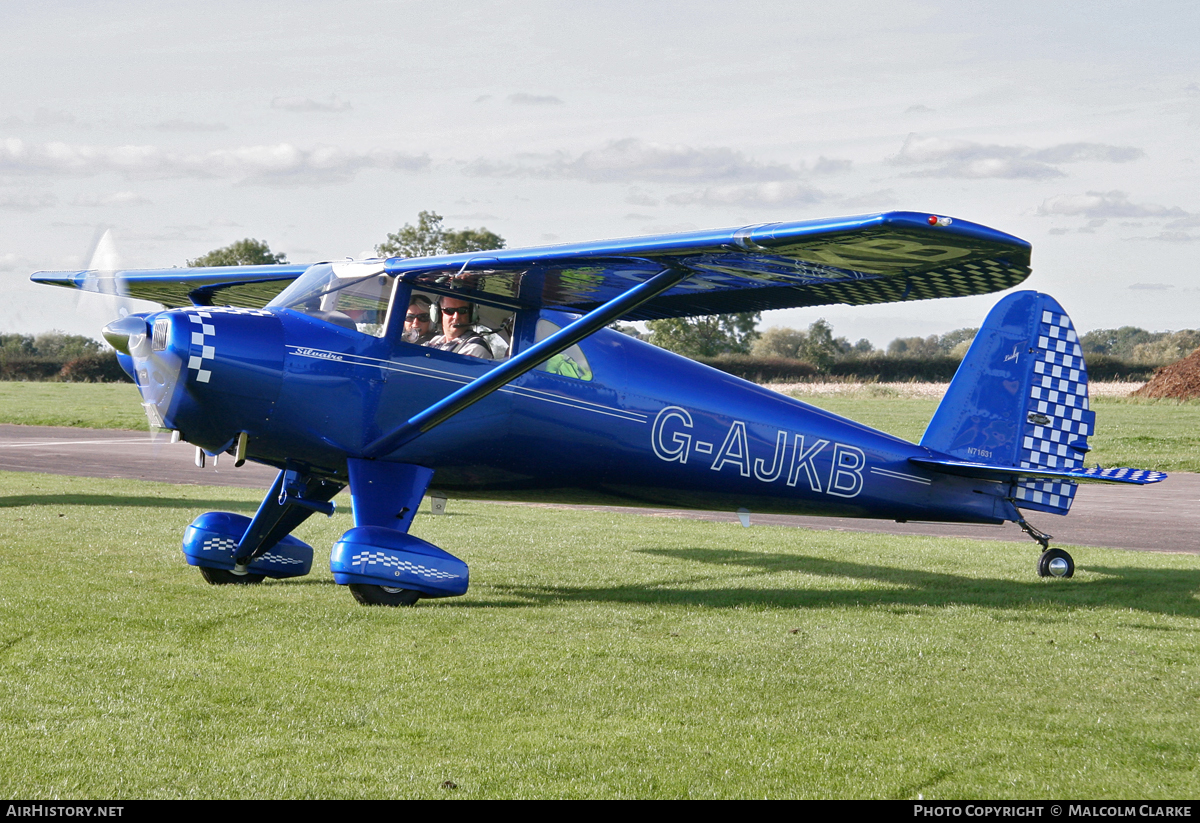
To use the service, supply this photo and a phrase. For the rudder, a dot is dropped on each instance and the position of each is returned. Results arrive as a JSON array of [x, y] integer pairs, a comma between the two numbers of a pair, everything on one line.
[[1020, 399]]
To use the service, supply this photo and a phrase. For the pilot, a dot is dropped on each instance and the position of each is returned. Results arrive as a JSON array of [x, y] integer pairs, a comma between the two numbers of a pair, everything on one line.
[[418, 328], [458, 334]]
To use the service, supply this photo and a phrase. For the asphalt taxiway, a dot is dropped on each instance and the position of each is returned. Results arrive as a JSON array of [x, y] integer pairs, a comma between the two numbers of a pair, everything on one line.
[[1161, 517]]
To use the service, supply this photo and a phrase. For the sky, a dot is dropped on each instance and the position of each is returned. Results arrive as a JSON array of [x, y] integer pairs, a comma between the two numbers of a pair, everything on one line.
[[319, 127]]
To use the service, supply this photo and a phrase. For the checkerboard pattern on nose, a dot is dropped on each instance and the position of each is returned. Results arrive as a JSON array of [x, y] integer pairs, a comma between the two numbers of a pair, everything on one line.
[[203, 347], [204, 337], [1058, 420]]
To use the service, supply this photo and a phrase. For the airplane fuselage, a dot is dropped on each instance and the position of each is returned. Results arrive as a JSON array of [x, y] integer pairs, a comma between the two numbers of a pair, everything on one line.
[[649, 428]]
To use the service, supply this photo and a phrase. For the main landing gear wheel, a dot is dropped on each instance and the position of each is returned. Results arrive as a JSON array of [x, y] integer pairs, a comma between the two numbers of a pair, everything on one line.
[[370, 595], [224, 577], [1055, 563]]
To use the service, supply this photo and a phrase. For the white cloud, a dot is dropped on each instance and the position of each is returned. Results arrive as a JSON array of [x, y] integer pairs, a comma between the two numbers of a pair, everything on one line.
[[120, 198], [188, 126], [41, 117], [1189, 222], [478, 215], [306, 104], [638, 197], [27, 201], [279, 164], [830, 165], [1172, 237], [632, 159], [523, 99], [942, 157], [1098, 204], [1088, 152], [788, 193]]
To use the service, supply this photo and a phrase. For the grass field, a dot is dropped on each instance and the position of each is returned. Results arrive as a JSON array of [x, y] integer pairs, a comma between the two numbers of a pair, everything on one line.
[[87, 405], [596, 655]]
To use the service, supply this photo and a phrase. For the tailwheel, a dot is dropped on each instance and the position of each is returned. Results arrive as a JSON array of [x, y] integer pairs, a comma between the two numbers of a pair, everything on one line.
[[1055, 563], [224, 577], [370, 595]]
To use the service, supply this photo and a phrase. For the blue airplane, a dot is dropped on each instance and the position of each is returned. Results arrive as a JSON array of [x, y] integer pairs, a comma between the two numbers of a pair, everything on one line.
[[311, 369]]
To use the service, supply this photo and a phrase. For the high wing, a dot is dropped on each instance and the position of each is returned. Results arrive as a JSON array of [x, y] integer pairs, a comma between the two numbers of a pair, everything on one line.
[[241, 286], [880, 258]]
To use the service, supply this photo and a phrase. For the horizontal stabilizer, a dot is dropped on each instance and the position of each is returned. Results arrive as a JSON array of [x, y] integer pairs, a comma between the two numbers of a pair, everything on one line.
[[1011, 474]]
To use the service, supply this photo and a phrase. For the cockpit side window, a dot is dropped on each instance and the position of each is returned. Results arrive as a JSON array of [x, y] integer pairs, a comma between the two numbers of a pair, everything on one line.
[[569, 363], [355, 296], [458, 325]]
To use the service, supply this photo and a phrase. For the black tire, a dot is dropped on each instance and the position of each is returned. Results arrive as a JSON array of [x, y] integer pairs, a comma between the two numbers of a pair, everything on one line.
[[370, 595], [1055, 563], [224, 577]]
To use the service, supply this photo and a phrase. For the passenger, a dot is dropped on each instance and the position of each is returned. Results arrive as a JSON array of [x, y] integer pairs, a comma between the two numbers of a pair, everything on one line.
[[418, 328], [458, 333]]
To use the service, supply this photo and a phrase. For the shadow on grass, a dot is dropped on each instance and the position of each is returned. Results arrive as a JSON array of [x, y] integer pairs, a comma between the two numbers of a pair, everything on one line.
[[1164, 591], [126, 502]]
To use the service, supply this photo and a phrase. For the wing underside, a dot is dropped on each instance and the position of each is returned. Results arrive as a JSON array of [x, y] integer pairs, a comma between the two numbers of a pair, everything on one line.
[[881, 258]]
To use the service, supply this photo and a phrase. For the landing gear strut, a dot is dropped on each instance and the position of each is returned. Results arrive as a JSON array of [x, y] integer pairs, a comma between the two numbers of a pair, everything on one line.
[[378, 559], [1053, 562]]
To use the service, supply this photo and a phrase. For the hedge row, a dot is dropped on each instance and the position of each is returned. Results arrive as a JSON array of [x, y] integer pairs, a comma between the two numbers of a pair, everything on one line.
[[89, 368], [892, 369]]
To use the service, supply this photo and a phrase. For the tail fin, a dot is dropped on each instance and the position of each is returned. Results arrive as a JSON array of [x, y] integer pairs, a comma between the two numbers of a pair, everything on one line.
[[1020, 400]]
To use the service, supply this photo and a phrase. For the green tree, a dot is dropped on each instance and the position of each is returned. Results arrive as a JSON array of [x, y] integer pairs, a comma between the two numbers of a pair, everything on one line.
[[1115, 342], [65, 346], [12, 345], [706, 336], [780, 341], [952, 341], [246, 252], [862, 348], [817, 346], [820, 348], [429, 238], [1169, 347], [917, 348]]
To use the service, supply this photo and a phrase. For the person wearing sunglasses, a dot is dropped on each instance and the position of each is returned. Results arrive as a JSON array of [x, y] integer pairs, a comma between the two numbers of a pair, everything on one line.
[[458, 330], [418, 326]]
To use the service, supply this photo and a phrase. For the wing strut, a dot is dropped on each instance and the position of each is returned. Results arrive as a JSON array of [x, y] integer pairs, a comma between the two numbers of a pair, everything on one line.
[[527, 360]]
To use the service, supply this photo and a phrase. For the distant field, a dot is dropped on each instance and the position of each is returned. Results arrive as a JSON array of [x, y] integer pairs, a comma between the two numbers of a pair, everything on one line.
[[86, 405], [1158, 434], [596, 655]]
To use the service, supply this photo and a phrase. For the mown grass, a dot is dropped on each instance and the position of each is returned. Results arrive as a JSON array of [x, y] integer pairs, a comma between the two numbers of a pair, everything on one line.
[[596, 655], [85, 405]]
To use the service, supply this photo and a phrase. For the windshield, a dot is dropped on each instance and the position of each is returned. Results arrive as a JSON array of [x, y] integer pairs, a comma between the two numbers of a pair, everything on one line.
[[352, 295]]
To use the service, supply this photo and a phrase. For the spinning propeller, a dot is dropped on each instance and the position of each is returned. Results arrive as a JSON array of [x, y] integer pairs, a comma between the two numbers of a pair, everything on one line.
[[129, 333]]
